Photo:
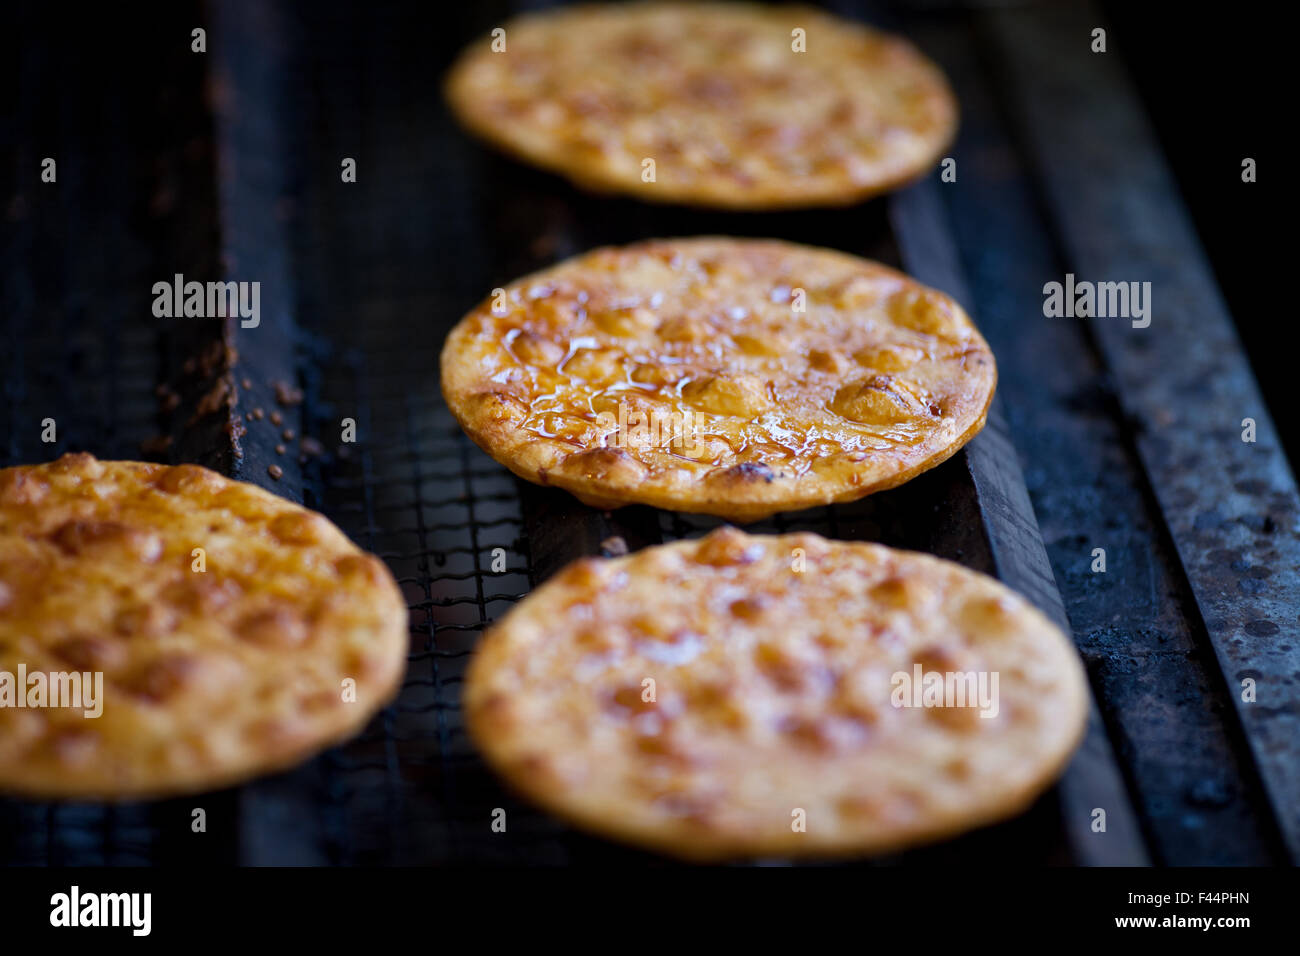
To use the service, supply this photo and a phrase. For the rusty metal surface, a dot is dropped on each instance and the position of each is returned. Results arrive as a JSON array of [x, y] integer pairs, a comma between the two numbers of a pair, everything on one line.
[[1093, 778], [1182, 384], [1158, 685], [78, 258]]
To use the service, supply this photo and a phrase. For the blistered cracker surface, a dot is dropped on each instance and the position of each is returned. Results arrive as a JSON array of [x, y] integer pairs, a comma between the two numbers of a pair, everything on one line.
[[209, 677], [714, 93], [877, 379], [772, 693]]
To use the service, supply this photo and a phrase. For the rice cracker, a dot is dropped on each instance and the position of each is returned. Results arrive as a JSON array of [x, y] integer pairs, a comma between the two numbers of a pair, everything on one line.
[[753, 696], [733, 377], [217, 664], [721, 105]]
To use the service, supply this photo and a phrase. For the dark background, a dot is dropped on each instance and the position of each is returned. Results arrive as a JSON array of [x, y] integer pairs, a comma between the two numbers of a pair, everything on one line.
[[1212, 80]]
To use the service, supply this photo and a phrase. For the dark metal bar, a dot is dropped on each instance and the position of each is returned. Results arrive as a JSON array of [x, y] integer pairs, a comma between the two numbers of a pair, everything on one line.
[[1230, 506], [252, 115], [1182, 754], [81, 255], [1093, 779], [278, 820]]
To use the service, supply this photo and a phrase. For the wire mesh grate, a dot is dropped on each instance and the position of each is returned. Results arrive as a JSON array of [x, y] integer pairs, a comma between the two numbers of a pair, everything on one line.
[[379, 270]]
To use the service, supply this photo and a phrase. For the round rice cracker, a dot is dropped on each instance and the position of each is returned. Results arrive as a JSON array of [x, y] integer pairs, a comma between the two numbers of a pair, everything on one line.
[[732, 377], [717, 95], [739, 696], [216, 667]]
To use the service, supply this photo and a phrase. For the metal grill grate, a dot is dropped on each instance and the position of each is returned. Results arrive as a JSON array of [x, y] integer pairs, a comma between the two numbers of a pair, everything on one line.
[[445, 518], [439, 513], [413, 489], [371, 275]]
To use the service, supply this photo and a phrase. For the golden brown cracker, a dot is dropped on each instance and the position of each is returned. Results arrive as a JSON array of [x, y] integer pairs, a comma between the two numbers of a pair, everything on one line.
[[738, 696], [733, 377], [217, 666], [719, 96]]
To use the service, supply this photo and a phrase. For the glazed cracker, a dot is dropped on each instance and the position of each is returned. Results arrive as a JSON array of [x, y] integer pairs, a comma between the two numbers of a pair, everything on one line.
[[773, 694], [779, 376], [716, 95], [209, 677]]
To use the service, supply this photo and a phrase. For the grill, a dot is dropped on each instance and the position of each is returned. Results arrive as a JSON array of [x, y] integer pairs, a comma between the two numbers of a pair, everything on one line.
[[226, 165]]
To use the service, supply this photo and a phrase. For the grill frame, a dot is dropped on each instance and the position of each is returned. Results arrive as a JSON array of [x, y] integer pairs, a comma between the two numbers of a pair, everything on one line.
[[255, 180]]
